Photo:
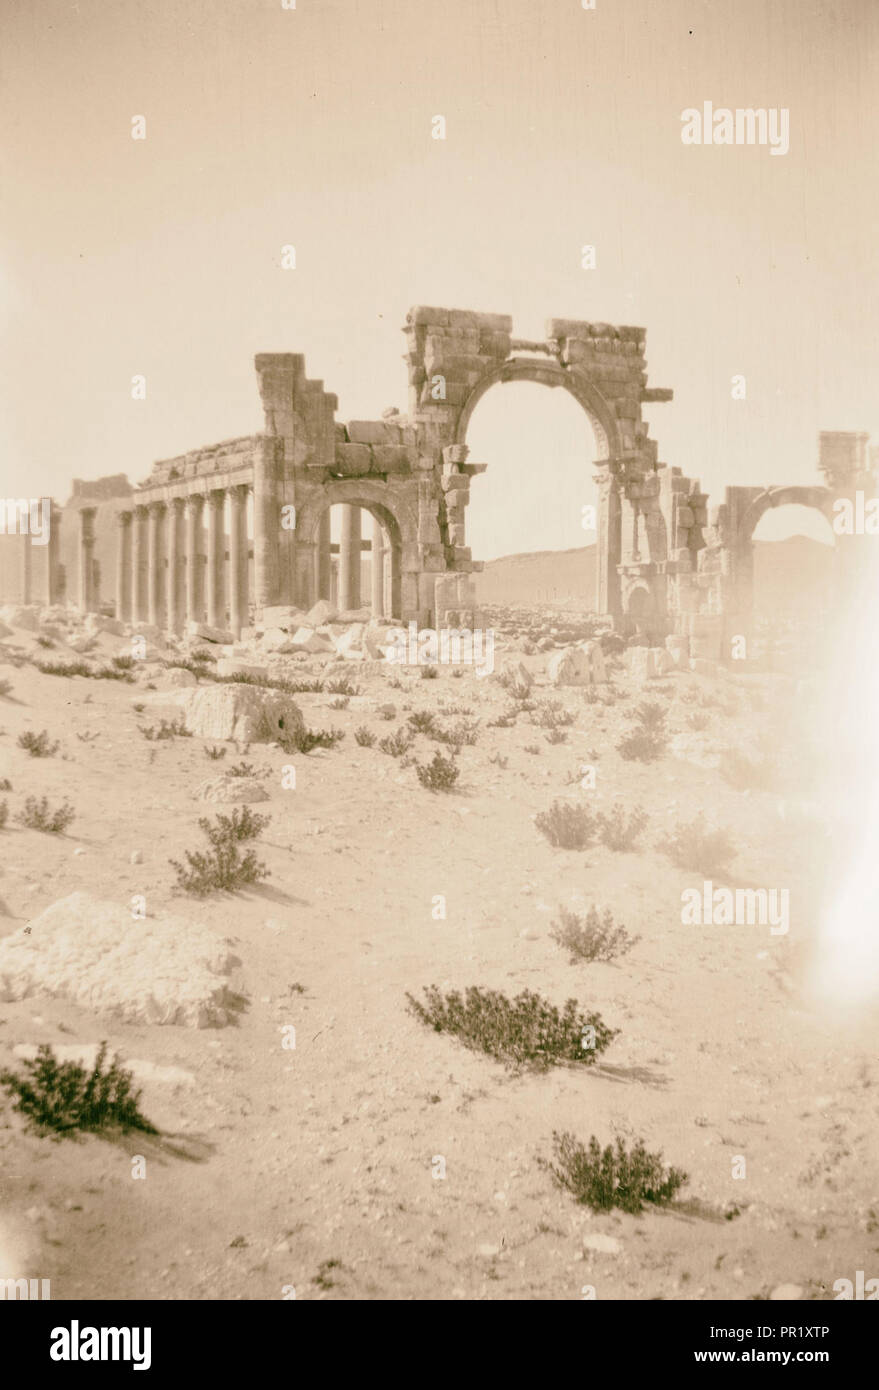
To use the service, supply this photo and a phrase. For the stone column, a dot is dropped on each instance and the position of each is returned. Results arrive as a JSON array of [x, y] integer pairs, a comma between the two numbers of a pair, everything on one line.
[[349, 559], [86, 558], [123, 565], [609, 543], [155, 576], [26, 567], [378, 569], [238, 615], [174, 542], [216, 563], [266, 524], [53, 553], [323, 560], [194, 576], [138, 520]]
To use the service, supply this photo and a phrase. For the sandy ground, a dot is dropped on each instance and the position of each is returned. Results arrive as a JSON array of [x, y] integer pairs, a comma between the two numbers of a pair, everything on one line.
[[313, 1169]]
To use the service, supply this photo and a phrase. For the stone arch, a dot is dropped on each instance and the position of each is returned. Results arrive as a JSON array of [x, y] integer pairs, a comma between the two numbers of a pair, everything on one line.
[[608, 462], [397, 519], [742, 557], [820, 498], [552, 374], [639, 602]]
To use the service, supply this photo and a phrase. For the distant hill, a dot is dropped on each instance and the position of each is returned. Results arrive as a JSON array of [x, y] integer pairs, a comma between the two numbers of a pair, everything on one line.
[[788, 575]]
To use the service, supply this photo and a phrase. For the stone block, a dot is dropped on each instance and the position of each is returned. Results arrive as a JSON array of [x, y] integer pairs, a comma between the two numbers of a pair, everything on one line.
[[391, 458], [209, 634], [372, 432], [321, 613], [570, 666], [353, 460], [162, 970]]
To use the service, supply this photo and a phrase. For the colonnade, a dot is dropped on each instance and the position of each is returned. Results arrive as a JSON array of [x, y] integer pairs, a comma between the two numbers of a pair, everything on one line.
[[172, 562]]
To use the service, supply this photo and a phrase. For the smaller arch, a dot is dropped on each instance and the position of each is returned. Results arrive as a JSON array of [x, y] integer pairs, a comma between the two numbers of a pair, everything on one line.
[[640, 602], [552, 374], [395, 517], [820, 498]]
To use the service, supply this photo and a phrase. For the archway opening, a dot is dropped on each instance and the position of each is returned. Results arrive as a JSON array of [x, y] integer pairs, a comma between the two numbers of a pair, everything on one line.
[[793, 581], [357, 560], [533, 515]]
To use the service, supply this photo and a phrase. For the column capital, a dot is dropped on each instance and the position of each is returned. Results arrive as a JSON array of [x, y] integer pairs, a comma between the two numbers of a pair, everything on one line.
[[123, 518]]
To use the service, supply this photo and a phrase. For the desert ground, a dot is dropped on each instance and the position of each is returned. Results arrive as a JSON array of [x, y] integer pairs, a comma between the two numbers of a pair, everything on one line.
[[312, 1171]]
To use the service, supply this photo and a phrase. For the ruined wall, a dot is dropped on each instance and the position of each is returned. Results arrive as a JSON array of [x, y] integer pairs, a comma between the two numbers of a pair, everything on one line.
[[177, 550]]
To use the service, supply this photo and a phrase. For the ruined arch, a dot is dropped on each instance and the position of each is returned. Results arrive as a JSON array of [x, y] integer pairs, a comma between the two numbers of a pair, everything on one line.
[[397, 519], [609, 452], [821, 498], [552, 374]]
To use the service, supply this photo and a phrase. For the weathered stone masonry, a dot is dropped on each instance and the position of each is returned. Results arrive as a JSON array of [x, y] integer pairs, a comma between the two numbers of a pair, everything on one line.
[[181, 551]]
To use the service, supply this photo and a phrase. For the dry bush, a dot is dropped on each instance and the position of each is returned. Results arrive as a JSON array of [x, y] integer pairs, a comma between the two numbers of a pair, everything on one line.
[[593, 937]]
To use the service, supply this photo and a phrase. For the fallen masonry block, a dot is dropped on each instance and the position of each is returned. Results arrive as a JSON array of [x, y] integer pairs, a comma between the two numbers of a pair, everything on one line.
[[283, 616], [229, 788], [163, 970], [645, 663], [211, 634], [245, 713]]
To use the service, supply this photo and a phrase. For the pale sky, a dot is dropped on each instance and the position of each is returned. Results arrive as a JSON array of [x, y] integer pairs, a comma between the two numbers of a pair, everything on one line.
[[312, 127]]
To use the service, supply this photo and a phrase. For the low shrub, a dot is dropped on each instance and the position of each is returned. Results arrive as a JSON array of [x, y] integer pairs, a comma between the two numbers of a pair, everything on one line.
[[223, 868], [38, 745], [692, 845], [648, 737], [64, 1097], [397, 743], [38, 815], [440, 774], [614, 1176], [567, 826], [593, 937], [525, 1031], [621, 832]]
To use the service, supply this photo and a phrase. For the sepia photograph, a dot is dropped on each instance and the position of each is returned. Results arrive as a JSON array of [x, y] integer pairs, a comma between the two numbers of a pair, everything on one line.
[[439, 668]]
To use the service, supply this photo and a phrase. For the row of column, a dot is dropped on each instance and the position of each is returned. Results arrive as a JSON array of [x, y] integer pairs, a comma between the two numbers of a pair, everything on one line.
[[170, 571], [350, 553]]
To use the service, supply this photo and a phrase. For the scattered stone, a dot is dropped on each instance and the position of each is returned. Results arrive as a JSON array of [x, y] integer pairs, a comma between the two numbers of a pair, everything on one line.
[[164, 969], [604, 1245], [176, 678], [646, 663], [210, 634], [306, 639], [321, 613], [227, 788], [570, 666], [238, 712], [516, 678]]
